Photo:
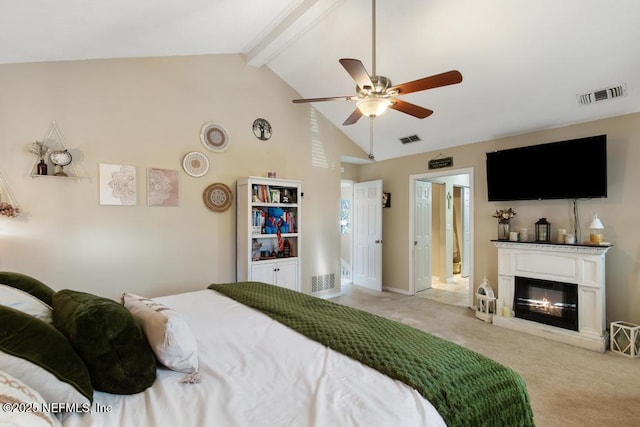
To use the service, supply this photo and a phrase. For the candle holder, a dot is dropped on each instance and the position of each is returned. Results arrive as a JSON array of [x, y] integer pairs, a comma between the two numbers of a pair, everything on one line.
[[596, 230]]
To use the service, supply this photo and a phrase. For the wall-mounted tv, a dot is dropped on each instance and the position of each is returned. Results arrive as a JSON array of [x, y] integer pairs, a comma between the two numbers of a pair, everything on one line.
[[573, 169]]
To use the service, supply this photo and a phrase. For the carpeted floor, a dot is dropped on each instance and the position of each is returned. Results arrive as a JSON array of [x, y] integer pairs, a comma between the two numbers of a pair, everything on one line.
[[568, 386]]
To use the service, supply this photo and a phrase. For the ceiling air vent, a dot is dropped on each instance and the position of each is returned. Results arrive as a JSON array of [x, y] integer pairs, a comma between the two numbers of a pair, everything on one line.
[[408, 139], [602, 94]]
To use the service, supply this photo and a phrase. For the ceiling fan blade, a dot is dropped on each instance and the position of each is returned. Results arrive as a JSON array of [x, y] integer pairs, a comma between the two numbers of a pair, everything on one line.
[[331, 98], [437, 80], [354, 117], [357, 72], [411, 109]]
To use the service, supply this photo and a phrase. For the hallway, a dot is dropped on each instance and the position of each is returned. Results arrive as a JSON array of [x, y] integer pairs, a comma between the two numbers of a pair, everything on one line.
[[448, 293]]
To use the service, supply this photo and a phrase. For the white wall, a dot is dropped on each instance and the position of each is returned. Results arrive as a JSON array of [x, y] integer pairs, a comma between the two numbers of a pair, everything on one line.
[[148, 113]]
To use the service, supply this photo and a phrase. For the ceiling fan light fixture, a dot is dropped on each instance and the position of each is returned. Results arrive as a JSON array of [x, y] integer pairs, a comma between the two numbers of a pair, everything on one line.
[[373, 106]]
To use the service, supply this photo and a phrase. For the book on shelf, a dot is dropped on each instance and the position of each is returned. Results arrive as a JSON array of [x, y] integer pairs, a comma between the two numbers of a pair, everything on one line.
[[258, 218], [290, 220], [265, 194]]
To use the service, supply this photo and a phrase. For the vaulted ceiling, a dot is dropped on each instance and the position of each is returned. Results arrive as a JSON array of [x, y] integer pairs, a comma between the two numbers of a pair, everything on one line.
[[525, 64]]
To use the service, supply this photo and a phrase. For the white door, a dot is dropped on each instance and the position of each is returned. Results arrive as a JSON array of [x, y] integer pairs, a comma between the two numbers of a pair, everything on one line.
[[422, 236], [466, 233], [367, 234]]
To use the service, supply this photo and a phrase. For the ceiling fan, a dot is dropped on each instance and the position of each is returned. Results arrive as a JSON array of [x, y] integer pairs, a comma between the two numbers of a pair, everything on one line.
[[376, 93]]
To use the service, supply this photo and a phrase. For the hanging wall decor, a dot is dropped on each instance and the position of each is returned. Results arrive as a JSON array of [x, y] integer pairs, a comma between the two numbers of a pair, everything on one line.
[[118, 185], [217, 197], [386, 200], [162, 187], [52, 156], [214, 137], [261, 129], [195, 164]]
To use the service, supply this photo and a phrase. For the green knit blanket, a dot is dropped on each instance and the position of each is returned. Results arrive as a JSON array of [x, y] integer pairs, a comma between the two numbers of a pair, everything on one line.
[[466, 388]]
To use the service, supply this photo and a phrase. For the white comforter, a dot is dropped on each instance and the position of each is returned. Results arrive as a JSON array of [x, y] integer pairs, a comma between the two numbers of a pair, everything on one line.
[[257, 372]]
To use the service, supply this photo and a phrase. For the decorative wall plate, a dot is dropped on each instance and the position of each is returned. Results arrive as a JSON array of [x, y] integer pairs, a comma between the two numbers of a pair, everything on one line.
[[261, 129], [195, 164], [217, 197], [214, 137]]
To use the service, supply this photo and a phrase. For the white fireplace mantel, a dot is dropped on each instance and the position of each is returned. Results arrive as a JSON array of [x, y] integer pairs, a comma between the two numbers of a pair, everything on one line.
[[583, 265]]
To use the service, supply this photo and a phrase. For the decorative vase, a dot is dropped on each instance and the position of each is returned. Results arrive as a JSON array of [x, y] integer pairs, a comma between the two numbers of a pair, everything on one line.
[[503, 230], [42, 167]]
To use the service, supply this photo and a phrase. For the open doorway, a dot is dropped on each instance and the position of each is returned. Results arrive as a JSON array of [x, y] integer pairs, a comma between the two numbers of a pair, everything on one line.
[[441, 230], [361, 234], [346, 236]]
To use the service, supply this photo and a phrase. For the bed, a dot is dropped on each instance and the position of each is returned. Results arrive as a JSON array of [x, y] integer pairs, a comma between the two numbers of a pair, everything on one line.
[[268, 356]]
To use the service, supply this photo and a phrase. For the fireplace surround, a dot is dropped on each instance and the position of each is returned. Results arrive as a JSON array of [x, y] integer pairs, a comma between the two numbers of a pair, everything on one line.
[[579, 266]]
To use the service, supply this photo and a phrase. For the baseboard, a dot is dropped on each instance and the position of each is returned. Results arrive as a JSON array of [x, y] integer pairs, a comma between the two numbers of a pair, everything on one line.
[[398, 291], [327, 296]]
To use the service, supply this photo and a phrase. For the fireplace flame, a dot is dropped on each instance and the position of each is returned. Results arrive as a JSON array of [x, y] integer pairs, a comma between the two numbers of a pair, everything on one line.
[[545, 306]]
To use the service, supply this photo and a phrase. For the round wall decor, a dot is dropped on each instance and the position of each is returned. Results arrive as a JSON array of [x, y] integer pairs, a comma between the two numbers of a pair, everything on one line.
[[217, 197], [195, 164], [261, 129], [214, 137]]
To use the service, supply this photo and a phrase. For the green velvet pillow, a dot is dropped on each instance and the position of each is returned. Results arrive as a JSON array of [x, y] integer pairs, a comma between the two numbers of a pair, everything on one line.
[[27, 284], [40, 356], [108, 339]]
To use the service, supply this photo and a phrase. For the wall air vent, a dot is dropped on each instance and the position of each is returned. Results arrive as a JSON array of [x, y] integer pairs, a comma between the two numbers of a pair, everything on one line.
[[411, 138], [602, 95], [323, 282]]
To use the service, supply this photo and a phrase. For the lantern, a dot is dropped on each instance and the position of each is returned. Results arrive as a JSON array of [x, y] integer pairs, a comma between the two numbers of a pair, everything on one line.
[[543, 230], [486, 307], [596, 230]]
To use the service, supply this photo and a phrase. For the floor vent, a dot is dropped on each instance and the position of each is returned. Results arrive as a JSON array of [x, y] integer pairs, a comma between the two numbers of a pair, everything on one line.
[[602, 95], [322, 282], [411, 138]]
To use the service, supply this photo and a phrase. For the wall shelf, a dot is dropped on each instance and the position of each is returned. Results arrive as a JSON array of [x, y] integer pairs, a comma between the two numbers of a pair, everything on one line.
[[6, 195], [54, 140]]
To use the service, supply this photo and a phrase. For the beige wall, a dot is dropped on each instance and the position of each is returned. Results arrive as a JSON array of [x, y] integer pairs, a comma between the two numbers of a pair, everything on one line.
[[618, 211], [148, 113]]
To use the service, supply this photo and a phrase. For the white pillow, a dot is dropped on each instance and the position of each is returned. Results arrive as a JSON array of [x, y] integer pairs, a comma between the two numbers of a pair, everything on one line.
[[17, 394], [25, 302], [50, 388], [168, 334]]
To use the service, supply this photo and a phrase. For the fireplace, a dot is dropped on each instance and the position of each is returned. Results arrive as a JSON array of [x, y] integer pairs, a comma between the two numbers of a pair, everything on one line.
[[564, 292], [546, 301]]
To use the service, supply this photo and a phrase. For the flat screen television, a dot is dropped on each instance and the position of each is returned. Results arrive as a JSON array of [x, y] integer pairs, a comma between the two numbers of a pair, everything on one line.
[[573, 169]]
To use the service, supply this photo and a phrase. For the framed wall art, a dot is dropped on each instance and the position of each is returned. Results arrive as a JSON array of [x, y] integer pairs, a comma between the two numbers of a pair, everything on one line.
[[162, 187], [118, 184]]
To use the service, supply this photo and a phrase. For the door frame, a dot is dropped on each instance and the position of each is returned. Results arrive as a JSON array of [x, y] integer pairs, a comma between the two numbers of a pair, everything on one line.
[[412, 185]]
